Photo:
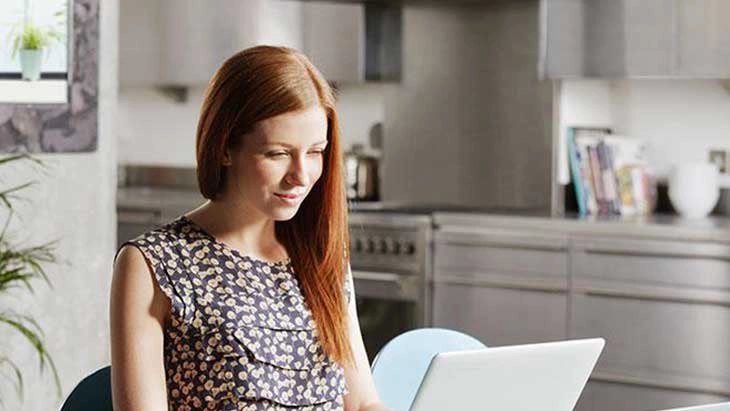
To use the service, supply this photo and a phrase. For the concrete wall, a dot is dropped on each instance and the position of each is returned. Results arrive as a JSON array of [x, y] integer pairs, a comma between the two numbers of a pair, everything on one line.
[[73, 202]]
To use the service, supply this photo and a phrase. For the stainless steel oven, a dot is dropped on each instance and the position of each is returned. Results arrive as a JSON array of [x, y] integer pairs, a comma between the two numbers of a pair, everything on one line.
[[390, 255]]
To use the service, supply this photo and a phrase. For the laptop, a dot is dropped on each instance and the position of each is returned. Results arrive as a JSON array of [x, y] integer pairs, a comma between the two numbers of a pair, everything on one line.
[[544, 377]]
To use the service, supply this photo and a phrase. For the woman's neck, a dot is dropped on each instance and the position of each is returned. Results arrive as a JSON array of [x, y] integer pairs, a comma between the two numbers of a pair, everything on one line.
[[239, 227]]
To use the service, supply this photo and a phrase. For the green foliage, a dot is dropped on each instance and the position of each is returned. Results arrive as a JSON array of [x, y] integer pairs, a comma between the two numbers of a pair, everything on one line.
[[19, 266], [29, 36]]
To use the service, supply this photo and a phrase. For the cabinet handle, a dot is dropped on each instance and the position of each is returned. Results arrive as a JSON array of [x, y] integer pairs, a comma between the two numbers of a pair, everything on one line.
[[658, 383], [657, 295], [516, 285], [656, 253]]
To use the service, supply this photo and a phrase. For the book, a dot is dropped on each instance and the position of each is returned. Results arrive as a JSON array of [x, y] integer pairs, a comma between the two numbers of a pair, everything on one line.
[[609, 172]]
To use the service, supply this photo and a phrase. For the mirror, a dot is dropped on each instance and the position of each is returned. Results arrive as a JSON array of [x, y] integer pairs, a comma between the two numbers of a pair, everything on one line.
[[34, 50]]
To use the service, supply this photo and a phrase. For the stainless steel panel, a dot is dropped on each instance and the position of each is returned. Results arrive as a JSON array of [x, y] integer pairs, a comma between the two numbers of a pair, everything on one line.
[[501, 316], [387, 286], [609, 396], [502, 258], [701, 269], [675, 345]]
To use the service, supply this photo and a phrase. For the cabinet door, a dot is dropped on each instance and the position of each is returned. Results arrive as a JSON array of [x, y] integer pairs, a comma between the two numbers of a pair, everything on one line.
[[648, 37], [502, 286], [615, 38], [663, 308], [704, 38], [501, 316], [334, 39]]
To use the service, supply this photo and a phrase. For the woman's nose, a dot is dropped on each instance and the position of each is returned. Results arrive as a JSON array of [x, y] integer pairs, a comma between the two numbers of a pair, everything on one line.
[[298, 175]]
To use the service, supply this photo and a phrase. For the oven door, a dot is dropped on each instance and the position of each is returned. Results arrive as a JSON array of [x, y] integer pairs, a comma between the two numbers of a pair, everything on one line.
[[388, 304]]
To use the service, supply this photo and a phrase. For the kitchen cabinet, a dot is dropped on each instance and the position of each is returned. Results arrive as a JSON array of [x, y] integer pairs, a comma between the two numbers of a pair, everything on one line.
[[703, 38], [183, 42], [503, 287], [333, 38], [635, 38], [658, 291], [353, 42], [664, 309]]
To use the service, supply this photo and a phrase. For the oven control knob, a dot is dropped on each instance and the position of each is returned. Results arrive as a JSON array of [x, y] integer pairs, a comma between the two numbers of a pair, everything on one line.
[[383, 247], [357, 245], [409, 248], [392, 246], [370, 246]]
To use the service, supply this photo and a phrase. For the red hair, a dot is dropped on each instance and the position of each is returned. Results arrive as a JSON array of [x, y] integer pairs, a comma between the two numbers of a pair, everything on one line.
[[251, 86]]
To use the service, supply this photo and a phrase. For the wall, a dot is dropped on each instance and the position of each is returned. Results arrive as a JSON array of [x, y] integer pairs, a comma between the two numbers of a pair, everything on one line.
[[470, 124], [151, 123], [681, 120], [73, 202]]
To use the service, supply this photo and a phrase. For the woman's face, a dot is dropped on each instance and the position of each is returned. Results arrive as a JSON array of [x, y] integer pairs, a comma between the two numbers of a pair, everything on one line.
[[278, 163]]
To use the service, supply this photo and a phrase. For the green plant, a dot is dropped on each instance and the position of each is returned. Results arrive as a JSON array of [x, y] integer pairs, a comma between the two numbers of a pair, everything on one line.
[[19, 266], [29, 36]]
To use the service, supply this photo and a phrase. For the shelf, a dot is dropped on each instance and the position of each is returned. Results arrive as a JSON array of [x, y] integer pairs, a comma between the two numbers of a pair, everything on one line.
[[35, 92]]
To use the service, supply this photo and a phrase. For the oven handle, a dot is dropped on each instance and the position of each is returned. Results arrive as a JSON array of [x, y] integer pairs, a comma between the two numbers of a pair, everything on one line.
[[376, 276], [376, 284]]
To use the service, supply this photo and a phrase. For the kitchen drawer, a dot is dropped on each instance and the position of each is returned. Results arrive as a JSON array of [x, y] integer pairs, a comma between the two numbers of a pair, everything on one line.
[[657, 343], [611, 396], [501, 257], [679, 271], [501, 316]]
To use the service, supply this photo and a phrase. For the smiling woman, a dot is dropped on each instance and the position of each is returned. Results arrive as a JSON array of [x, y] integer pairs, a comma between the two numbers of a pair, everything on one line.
[[246, 302]]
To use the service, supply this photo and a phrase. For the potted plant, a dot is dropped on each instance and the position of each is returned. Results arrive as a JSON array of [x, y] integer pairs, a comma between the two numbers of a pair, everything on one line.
[[29, 40], [19, 266]]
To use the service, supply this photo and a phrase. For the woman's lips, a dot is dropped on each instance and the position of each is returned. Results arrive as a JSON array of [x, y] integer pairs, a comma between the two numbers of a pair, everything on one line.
[[289, 198]]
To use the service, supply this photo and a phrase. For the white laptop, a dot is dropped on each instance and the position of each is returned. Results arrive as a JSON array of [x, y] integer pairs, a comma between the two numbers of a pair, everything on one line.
[[533, 377]]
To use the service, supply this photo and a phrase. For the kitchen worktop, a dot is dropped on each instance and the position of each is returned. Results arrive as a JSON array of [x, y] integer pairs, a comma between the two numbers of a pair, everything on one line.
[[657, 226], [456, 218]]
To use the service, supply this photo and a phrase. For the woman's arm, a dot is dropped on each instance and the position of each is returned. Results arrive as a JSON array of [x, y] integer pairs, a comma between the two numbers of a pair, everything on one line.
[[138, 311], [362, 396]]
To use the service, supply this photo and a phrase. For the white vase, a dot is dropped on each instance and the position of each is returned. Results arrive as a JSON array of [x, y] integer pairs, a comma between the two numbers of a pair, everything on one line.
[[694, 189], [30, 64]]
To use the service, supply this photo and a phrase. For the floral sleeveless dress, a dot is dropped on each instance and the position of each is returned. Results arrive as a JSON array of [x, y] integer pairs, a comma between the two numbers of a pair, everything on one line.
[[240, 336]]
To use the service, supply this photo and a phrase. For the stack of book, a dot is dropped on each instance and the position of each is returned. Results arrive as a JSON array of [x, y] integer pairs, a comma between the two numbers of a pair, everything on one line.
[[610, 173]]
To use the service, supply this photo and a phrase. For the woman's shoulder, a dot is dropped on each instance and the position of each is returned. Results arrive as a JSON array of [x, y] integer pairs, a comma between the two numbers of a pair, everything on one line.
[[172, 232]]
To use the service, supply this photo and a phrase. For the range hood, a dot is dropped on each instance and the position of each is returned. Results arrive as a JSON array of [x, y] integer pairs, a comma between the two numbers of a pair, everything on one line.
[[175, 44]]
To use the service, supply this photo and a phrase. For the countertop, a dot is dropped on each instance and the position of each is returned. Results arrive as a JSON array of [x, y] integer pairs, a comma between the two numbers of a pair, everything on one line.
[[657, 226], [455, 218]]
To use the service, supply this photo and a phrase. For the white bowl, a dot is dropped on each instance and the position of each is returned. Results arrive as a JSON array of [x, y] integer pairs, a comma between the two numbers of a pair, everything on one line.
[[693, 189]]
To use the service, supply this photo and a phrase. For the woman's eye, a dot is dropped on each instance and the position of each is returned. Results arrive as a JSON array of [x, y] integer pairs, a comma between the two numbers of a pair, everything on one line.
[[276, 154], [316, 152]]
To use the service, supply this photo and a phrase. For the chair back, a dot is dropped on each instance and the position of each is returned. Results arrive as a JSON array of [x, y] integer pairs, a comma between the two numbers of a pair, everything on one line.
[[401, 364], [93, 393]]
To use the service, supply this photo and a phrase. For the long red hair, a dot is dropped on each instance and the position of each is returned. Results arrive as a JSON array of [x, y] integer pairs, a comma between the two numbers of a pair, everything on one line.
[[251, 86]]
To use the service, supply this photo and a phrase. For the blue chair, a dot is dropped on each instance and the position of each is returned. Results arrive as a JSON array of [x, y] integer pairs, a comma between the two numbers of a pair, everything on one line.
[[401, 364], [93, 393]]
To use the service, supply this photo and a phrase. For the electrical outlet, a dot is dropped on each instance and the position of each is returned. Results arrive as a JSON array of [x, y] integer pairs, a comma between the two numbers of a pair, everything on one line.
[[721, 158]]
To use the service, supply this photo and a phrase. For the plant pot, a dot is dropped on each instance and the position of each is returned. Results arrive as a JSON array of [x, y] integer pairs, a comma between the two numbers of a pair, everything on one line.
[[30, 64]]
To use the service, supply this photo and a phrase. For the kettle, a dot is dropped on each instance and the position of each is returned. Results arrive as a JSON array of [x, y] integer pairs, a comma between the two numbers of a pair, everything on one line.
[[361, 174]]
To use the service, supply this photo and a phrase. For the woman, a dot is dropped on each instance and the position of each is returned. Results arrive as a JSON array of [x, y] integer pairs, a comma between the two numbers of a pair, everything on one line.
[[245, 302]]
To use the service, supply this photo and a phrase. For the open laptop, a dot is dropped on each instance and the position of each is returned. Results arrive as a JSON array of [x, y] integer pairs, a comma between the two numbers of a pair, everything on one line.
[[544, 377]]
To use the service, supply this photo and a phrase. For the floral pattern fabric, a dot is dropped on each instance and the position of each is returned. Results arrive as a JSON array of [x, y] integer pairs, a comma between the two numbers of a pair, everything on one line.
[[241, 336]]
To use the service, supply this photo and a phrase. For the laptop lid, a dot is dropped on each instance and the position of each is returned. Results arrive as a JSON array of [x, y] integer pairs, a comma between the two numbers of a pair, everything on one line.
[[545, 377]]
